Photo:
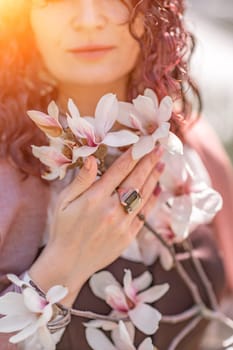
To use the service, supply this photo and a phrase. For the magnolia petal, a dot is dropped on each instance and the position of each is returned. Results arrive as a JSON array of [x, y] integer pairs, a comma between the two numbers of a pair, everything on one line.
[[129, 288], [120, 138], [166, 259], [52, 175], [105, 325], [46, 339], [33, 301], [46, 316], [142, 147], [132, 253], [173, 144], [53, 110], [14, 323], [12, 304], [124, 113], [154, 293], [145, 109], [152, 95], [105, 114], [145, 318], [165, 109], [121, 338], [46, 123], [209, 202], [24, 334], [56, 294], [116, 298], [15, 279], [180, 216], [83, 151], [50, 156], [73, 109], [97, 340], [100, 280], [146, 345], [79, 126], [161, 132], [143, 281]]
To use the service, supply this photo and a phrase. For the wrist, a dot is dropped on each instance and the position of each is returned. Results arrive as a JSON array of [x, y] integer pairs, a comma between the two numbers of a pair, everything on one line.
[[53, 268]]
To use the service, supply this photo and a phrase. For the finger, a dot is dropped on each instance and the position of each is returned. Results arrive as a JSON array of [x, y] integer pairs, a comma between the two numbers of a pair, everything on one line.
[[85, 178], [120, 169], [143, 170], [146, 191], [148, 207]]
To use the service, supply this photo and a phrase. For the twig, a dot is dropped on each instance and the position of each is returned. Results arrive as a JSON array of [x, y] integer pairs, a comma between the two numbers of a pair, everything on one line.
[[92, 315], [184, 316], [180, 269], [184, 332], [203, 276], [218, 316]]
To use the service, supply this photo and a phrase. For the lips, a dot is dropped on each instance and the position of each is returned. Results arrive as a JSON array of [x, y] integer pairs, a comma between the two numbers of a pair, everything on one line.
[[91, 48], [91, 53]]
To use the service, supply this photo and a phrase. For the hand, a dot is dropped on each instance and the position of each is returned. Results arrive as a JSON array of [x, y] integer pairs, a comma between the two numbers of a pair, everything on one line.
[[90, 227]]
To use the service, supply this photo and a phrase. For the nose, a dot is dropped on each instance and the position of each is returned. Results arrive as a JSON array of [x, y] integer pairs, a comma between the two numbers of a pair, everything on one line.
[[88, 16]]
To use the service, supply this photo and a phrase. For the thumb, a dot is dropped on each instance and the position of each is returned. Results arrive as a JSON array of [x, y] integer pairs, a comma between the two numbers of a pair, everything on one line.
[[85, 178]]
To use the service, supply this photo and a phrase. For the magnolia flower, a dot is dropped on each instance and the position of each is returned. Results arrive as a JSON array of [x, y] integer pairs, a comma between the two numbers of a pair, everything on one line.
[[188, 192], [146, 248], [52, 156], [96, 131], [48, 123], [151, 119], [29, 313], [122, 336], [129, 300]]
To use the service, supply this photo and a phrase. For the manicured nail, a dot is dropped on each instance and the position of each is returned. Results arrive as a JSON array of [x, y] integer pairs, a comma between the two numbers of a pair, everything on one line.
[[87, 164], [160, 167], [158, 151], [157, 190]]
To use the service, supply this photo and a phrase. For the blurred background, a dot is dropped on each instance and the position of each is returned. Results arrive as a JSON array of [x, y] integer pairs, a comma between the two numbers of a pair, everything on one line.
[[211, 21], [212, 66]]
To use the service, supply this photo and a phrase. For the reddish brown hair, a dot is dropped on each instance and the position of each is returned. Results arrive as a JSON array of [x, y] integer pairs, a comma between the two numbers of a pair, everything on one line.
[[166, 48]]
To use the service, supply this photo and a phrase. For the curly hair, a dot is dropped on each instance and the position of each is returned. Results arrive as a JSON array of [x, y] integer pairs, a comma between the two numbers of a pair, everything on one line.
[[166, 48]]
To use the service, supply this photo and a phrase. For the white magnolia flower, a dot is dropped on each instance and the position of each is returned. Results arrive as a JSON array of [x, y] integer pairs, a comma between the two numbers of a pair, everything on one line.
[[146, 248], [191, 200], [130, 300], [28, 313], [48, 123], [122, 336], [96, 131], [151, 119]]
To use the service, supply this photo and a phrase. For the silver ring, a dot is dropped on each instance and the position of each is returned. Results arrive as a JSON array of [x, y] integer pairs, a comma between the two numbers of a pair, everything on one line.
[[130, 199]]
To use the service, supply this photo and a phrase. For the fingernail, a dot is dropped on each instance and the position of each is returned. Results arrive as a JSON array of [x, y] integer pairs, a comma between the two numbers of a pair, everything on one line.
[[158, 151], [87, 164], [160, 167], [157, 190]]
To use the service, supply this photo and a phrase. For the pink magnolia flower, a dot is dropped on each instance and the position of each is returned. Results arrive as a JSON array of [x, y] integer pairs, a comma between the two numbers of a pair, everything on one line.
[[53, 157], [28, 313], [151, 119], [96, 131], [129, 300], [122, 336], [48, 123]]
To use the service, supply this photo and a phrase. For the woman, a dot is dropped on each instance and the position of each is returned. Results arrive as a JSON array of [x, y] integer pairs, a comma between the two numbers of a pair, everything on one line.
[[83, 50]]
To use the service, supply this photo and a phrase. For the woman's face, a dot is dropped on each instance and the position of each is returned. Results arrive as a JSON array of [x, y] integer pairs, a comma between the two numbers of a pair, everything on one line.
[[85, 41]]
